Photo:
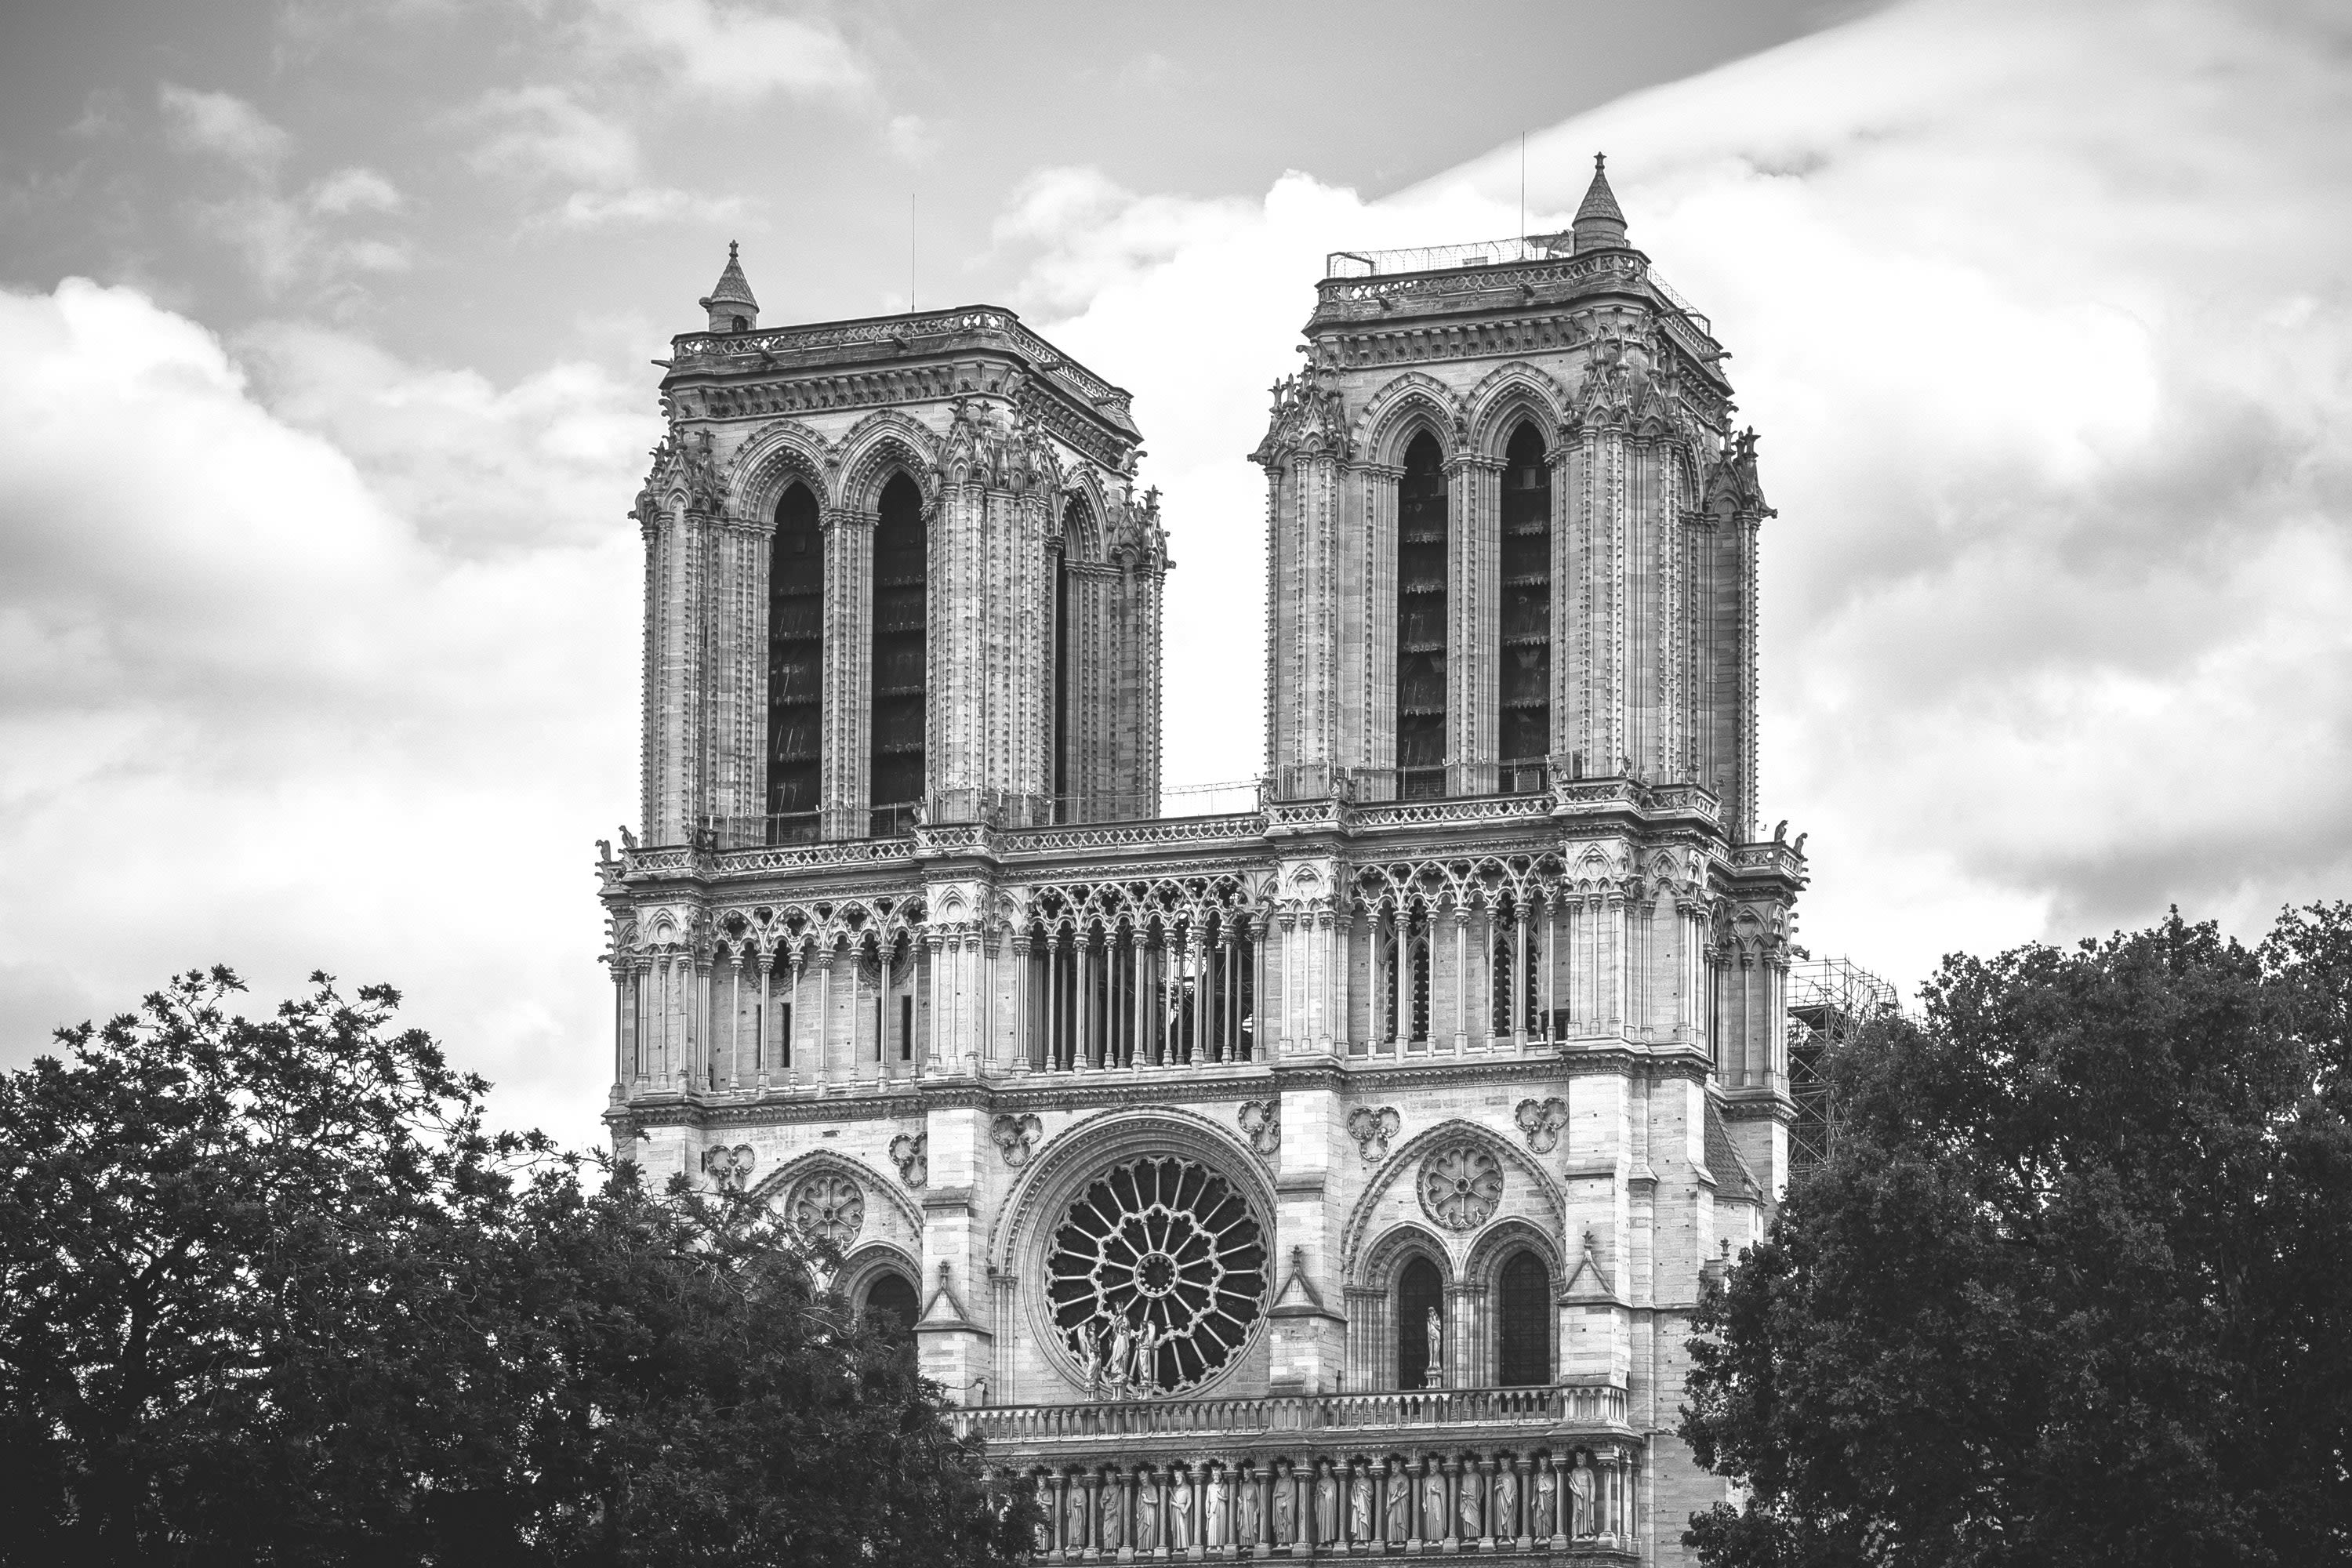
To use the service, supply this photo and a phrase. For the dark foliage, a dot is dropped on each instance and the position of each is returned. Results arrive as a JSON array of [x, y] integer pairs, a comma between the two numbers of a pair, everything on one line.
[[270, 1293], [2076, 1285]]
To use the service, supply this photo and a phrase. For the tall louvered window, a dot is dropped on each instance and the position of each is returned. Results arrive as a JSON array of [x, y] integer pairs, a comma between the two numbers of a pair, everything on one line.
[[795, 667], [1525, 657], [901, 652], [1525, 1312], [1421, 621]]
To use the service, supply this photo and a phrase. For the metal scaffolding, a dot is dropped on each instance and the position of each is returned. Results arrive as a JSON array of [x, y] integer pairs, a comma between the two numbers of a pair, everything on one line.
[[1830, 1001]]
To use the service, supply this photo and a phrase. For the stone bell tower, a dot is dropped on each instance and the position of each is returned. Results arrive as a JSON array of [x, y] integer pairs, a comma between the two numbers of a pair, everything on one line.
[[896, 570]]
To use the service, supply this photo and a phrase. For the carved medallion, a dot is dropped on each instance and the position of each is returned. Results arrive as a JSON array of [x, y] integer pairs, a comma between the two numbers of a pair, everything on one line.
[[1543, 1120], [729, 1169], [1371, 1128], [911, 1153], [1460, 1185], [829, 1205], [1261, 1121], [1015, 1137]]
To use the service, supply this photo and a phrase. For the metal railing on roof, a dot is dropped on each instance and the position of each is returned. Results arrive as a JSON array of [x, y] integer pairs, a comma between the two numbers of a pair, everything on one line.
[[1439, 258]]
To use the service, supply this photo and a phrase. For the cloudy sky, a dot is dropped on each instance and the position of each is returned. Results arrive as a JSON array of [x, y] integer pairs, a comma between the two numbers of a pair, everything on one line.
[[323, 333]]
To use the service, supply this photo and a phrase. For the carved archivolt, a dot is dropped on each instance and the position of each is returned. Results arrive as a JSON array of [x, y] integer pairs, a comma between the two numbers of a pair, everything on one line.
[[782, 1184], [1412, 402], [776, 454], [1508, 393], [875, 445], [1527, 1184]]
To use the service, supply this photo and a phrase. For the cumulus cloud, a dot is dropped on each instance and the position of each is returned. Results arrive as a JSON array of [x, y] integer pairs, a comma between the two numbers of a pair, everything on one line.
[[735, 51], [347, 683], [222, 125], [2044, 321]]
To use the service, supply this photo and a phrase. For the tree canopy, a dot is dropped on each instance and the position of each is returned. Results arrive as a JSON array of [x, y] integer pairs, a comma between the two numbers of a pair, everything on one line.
[[269, 1292], [2074, 1284]]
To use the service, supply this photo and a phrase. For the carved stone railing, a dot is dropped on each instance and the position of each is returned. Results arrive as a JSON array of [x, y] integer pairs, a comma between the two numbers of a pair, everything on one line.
[[1552, 1493], [1597, 1406]]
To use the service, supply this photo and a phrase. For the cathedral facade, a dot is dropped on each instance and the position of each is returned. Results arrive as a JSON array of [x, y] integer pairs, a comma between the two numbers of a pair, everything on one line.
[[1333, 1176]]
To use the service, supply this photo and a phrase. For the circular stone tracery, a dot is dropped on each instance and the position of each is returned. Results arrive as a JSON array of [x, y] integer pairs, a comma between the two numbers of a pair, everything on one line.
[[831, 1206], [1460, 1186], [1164, 1242]]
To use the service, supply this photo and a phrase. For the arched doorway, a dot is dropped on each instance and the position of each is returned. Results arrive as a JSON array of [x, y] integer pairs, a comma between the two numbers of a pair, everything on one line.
[[891, 1307], [1525, 1308]]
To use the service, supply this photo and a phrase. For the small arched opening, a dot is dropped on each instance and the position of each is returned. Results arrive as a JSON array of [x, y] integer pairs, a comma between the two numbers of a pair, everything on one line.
[[1524, 1321], [891, 1308], [1420, 1303]]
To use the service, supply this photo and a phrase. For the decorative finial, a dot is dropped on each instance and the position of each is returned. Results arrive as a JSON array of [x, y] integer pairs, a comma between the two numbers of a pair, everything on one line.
[[1600, 223]]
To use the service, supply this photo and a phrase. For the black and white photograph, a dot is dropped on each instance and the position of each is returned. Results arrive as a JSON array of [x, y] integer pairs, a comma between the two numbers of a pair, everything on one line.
[[798, 782]]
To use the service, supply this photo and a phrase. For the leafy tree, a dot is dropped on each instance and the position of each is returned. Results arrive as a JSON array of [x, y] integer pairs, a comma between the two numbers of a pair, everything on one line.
[[269, 1292], [2074, 1286]]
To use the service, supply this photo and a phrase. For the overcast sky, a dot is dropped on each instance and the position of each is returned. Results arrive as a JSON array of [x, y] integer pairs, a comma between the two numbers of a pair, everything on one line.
[[323, 392]]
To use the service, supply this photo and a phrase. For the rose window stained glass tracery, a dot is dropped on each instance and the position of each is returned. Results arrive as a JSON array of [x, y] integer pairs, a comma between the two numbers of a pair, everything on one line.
[[1460, 1185], [830, 1207], [1162, 1243]]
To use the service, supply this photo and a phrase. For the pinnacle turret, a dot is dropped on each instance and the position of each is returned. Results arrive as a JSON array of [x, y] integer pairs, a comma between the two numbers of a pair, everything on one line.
[[731, 303], [1600, 223]]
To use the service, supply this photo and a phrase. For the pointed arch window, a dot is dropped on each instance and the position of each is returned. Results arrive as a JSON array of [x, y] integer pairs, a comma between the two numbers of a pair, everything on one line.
[[901, 653], [1068, 782], [1525, 1311], [1419, 1292], [795, 666], [1524, 658], [1421, 629], [891, 1308]]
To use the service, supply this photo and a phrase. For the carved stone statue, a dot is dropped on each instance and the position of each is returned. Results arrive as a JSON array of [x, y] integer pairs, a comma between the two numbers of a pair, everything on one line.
[[1074, 1513], [1286, 1507], [1399, 1501], [1432, 1505], [1434, 1326], [1144, 1373], [1507, 1499], [1327, 1504], [1179, 1512], [1091, 1349], [1213, 1528], [1359, 1505], [1114, 1516], [1245, 1515], [1147, 1513], [1473, 1509], [1122, 1354], [1580, 1486], [1547, 1520], [1044, 1533]]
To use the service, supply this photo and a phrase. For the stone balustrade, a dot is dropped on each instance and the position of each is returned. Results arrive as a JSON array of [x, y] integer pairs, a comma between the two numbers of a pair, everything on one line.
[[1492, 1470]]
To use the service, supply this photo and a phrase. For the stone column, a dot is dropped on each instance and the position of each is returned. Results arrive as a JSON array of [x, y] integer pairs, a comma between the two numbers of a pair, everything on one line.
[[1473, 639], [848, 678], [764, 1061]]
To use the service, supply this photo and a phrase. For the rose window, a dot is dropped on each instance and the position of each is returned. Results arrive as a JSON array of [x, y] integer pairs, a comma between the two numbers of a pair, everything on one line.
[[1164, 1243], [830, 1207], [1460, 1185]]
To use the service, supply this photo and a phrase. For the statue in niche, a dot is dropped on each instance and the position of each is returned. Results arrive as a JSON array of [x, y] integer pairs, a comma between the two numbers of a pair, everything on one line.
[[1472, 1511], [1075, 1514], [1179, 1510], [1507, 1499], [1433, 1504], [1114, 1517], [1147, 1512], [1579, 1488], [1546, 1520], [1245, 1505], [1360, 1504], [1434, 1327], [1286, 1506], [1400, 1498], [1043, 1534], [1327, 1504], [1213, 1528]]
